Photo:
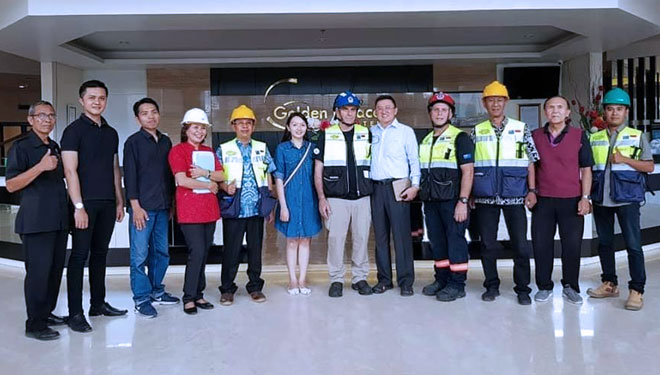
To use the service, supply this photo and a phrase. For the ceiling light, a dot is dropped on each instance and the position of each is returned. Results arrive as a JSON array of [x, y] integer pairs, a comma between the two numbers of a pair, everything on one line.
[[124, 42], [529, 36], [22, 86]]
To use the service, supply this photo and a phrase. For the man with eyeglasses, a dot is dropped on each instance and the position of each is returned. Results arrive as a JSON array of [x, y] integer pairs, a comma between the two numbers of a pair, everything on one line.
[[394, 165], [34, 168]]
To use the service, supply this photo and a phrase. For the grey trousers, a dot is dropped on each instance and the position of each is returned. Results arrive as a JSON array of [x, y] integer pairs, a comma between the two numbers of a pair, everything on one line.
[[357, 214]]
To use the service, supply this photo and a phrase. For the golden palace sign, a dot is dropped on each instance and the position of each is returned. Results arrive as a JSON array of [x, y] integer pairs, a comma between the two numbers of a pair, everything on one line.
[[280, 113]]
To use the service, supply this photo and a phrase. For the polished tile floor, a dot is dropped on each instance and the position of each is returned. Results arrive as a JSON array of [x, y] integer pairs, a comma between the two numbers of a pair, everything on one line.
[[378, 334]]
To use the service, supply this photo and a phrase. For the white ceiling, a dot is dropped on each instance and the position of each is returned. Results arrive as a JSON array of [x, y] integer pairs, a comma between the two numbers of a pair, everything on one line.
[[505, 35]]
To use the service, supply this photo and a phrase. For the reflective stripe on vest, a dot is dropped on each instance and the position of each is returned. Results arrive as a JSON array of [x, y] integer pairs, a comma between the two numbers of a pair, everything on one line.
[[442, 153], [334, 154], [232, 162], [486, 151]]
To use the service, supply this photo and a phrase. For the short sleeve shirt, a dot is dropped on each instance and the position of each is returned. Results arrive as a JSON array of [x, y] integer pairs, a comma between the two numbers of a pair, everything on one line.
[[96, 146], [192, 208], [44, 202]]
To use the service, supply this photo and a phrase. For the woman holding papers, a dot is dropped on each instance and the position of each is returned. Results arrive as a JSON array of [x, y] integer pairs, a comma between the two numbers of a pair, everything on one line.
[[197, 172]]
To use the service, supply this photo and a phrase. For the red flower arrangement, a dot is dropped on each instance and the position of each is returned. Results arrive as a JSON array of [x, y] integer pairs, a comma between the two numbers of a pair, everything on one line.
[[591, 118]]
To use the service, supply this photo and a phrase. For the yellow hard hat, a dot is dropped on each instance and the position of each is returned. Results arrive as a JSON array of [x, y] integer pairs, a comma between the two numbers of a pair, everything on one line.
[[496, 89], [242, 111]]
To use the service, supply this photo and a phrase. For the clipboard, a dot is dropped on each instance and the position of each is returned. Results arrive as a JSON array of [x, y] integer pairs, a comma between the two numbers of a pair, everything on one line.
[[399, 186], [205, 160]]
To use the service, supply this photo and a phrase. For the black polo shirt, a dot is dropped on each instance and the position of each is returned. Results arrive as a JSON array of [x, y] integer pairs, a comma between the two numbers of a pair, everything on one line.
[[96, 146], [147, 174], [44, 203]]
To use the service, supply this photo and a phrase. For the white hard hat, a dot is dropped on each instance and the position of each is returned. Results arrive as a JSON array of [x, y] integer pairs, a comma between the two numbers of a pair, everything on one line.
[[195, 115]]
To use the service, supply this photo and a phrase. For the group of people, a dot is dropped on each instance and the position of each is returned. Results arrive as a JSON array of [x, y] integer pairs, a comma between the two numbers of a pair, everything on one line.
[[352, 176]]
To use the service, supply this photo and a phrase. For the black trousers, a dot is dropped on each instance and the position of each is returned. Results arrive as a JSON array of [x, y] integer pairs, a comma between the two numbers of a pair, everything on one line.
[[546, 215], [448, 243], [44, 263], [232, 233], [389, 215], [488, 220], [92, 242], [199, 238]]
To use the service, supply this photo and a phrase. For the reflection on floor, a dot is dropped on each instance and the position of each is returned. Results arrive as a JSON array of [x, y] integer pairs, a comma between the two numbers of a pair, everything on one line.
[[378, 334]]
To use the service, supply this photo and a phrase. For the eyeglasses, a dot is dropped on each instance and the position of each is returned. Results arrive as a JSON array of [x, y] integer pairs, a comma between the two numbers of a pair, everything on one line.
[[44, 116]]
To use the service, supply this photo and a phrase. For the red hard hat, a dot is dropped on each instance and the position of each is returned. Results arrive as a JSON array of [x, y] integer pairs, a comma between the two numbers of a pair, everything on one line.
[[441, 97]]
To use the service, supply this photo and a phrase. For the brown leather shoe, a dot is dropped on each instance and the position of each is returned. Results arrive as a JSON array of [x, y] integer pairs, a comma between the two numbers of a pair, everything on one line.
[[635, 301], [258, 297], [227, 299], [606, 289]]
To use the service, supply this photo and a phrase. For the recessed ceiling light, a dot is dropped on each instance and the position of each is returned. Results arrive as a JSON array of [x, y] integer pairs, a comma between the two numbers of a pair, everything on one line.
[[124, 42], [21, 86], [529, 36]]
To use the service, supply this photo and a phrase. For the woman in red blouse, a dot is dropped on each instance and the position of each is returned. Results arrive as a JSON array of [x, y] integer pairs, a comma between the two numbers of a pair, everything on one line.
[[196, 204]]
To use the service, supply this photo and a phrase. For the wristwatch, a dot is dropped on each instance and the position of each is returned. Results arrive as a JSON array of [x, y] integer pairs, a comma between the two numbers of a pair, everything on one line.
[[79, 206], [587, 197], [534, 190], [463, 200]]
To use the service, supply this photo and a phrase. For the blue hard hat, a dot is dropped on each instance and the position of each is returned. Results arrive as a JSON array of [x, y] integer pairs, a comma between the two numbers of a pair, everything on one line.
[[616, 96], [345, 99]]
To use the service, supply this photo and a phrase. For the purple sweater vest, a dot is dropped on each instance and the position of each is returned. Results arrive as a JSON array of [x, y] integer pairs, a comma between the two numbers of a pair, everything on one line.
[[558, 170]]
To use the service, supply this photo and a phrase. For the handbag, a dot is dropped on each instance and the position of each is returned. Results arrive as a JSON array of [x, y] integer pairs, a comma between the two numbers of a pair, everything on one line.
[[230, 205]]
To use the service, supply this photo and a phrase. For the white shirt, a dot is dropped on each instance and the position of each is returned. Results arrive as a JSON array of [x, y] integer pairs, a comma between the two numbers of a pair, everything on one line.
[[394, 153]]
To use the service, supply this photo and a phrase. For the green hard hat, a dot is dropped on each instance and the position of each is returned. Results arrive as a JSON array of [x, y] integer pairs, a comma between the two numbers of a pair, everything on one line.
[[616, 96]]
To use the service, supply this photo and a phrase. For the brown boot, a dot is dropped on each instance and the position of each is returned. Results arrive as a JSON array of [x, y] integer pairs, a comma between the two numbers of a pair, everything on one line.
[[606, 289], [635, 301]]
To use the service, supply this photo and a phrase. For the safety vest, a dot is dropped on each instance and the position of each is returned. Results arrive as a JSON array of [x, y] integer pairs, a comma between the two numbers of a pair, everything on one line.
[[440, 172], [626, 184], [232, 162], [335, 165], [500, 165]]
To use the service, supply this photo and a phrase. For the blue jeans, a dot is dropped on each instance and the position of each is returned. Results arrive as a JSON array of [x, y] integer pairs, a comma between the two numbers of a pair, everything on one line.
[[149, 248], [628, 216]]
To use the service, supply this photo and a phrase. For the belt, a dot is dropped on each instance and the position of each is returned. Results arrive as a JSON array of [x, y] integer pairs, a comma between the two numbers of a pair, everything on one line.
[[384, 182]]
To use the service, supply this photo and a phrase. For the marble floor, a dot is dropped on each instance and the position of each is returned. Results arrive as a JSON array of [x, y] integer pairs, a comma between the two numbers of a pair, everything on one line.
[[378, 334]]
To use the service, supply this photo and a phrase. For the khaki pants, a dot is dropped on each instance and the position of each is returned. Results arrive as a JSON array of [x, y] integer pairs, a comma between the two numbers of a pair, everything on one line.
[[357, 213]]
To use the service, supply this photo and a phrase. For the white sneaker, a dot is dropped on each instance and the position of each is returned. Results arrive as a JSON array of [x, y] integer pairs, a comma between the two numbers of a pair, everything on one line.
[[305, 290]]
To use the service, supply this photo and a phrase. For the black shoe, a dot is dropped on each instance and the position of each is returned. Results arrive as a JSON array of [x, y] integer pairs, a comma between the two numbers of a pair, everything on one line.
[[54, 320], [432, 289], [45, 334], [106, 310], [336, 289], [407, 291], [381, 288], [78, 323], [524, 299], [362, 287], [449, 294], [189, 310], [490, 294], [204, 305]]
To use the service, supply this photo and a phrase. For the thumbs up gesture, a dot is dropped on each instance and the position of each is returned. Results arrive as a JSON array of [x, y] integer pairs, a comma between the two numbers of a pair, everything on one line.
[[231, 187], [48, 162]]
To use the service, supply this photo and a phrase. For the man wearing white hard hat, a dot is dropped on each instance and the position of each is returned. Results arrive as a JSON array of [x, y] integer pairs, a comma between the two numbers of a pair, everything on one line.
[[248, 165]]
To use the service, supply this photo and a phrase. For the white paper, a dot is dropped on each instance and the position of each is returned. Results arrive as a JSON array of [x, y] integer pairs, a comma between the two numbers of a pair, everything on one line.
[[204, 160]]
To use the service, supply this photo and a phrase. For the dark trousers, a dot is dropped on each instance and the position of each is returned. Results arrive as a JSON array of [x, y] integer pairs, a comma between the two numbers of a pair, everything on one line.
[[232, 233], [448, 243], [92, 242], [546, 216], [44, 263], [388, 215], [628, 216], [199, 238], [488, 220]]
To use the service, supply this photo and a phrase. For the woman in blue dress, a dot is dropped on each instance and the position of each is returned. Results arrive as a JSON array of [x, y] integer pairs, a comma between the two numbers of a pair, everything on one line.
[[298, 215]]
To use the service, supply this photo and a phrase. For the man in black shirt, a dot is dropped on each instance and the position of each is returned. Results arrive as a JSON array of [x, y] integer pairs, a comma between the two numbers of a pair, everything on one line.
[[91, 167], [34, 169], [149, 184], [341, 178]]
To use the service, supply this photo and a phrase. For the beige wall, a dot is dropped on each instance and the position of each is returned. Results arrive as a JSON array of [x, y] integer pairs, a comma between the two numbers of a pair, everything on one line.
[[176, 91], [463, 75]]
